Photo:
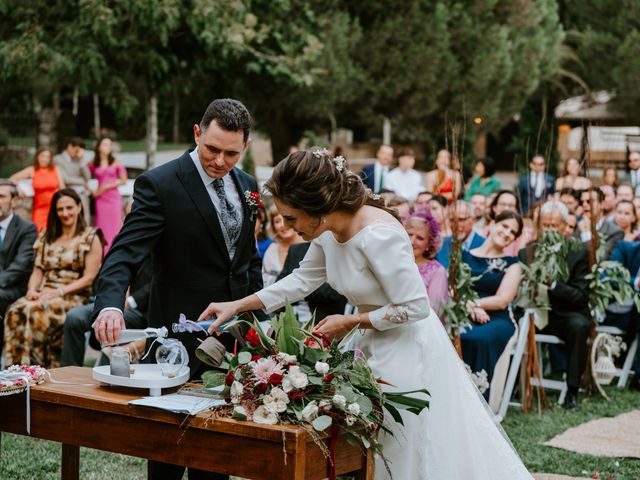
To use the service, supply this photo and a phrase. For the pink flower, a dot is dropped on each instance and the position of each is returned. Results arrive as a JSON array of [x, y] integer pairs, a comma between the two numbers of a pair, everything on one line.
[[264, 368]]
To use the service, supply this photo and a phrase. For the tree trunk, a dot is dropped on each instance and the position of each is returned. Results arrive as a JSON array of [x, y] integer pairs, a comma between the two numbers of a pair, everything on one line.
[[96, 115], [386, 131], [282, 137], [176, 117], [47, 122], [152, 130]]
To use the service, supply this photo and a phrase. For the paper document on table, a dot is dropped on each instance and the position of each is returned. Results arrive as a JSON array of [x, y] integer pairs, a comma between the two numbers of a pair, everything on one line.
[[177, 403]]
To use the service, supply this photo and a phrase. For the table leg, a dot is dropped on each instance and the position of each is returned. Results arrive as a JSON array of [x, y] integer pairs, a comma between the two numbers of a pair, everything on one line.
[[70, 462], [368, 470]]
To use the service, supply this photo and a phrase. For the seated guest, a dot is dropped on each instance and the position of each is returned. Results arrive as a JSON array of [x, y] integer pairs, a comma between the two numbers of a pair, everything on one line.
[[624, 192], [626, 219], [263, 240], [610, 177], [68, 254], [461, 220], [438, 209], [374, 175], [506, 200], [325, 300], [571, 177], [484, 181], [401, 205], [404, 180], [571, 226], [424, 234], [499, 276], [16, 249], [608, 202], [443, 180], [569, 317], [592, 201], [276, 253], [570, 198], [422, 201], [78, 321], [628, 319], [478, 204]]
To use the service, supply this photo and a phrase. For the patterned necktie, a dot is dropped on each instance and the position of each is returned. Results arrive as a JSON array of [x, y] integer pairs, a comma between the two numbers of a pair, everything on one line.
[[228, 216]]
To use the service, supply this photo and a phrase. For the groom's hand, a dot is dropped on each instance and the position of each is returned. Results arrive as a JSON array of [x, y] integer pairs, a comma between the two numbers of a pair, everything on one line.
[[220, 312], [108, 325]]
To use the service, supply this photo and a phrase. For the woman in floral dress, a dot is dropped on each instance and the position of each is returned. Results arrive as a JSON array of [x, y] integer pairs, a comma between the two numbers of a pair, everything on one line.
[[68, 254]]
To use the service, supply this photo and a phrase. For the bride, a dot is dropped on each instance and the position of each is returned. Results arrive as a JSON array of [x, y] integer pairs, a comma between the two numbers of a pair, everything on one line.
[[361, 249]]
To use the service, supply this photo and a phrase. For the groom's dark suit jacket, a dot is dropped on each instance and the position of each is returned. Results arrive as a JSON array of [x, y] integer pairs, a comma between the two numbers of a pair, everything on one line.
[[175, 221], [16, 261]]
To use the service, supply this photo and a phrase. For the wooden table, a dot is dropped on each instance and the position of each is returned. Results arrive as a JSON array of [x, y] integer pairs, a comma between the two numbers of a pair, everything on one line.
[[100, 417]]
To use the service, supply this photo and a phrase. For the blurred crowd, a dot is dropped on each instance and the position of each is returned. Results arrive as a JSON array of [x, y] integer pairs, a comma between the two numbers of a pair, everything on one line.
[[47, 266]]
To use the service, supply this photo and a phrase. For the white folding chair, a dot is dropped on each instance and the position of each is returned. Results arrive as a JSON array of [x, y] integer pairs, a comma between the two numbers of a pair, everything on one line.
[[624, 372]]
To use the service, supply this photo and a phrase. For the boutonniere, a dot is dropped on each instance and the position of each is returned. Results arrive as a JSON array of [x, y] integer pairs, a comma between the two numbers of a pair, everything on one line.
[[254, 202]]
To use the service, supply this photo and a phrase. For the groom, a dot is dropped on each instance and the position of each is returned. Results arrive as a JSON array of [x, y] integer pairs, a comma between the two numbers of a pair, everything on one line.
[[191, 215]]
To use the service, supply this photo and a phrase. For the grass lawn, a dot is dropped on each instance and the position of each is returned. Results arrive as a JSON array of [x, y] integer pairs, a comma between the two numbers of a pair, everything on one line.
[[26, 458]]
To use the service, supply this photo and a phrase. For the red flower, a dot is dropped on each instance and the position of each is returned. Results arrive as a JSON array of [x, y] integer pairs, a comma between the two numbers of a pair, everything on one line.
[[252, 338], [275, 379], [260, 388], [229, 379], [295, 395], [328, 377], [311, 343], [255, 357]]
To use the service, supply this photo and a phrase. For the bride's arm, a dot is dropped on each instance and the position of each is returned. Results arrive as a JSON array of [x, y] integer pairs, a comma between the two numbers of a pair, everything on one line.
[[296, 286]]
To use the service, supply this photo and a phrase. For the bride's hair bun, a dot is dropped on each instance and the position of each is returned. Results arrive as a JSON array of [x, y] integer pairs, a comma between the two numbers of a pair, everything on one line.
[[317, 183]]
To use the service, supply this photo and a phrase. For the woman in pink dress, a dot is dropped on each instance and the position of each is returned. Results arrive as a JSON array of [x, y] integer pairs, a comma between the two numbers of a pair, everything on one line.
[[424, 233], [108, 202]]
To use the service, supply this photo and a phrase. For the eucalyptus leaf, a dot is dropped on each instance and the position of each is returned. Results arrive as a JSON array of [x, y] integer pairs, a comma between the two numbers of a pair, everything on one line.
[[321, 423], [244, 358], [213, 378]]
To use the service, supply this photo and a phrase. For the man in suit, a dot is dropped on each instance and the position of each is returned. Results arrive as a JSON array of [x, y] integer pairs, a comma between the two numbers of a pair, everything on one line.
[[592, 200], [374, 174], [191, 215], [78, 320], [75, 172], [460, 215], [536, 185], [634, 171], [17, 237], [569, 316]]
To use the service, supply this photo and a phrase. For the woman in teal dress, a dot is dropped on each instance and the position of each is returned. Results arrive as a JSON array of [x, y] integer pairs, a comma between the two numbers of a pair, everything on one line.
[[483, 182], [497, 285]]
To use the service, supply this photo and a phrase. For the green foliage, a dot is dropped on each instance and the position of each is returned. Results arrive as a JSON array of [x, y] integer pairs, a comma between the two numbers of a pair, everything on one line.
[[462, 292], [248, 165], [287, 331], [608, 282], [548, 265]]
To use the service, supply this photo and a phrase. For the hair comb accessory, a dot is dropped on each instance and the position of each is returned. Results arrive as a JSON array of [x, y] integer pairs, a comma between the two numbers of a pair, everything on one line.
[[340, 163]]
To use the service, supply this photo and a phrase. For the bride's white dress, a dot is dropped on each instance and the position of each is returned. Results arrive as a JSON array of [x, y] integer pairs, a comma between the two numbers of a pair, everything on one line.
[[456, 438]]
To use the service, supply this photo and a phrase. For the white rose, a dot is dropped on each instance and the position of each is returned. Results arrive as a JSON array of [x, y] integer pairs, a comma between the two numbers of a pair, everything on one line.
[[236, 389], [326, 404], [350, 420], [279, 395], [240, 410], [310, 411], [354, 409], [297, 377], [265, 416], [322, 368], [339, 401], [286, 358], [286, 384]]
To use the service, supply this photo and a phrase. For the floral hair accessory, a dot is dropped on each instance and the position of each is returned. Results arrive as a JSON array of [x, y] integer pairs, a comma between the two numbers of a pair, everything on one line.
[[318, 152], [254, 202], [340, 163]]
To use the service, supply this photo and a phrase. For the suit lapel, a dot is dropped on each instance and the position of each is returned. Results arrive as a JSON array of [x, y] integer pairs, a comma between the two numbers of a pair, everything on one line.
[[9, 238], [194, 187]]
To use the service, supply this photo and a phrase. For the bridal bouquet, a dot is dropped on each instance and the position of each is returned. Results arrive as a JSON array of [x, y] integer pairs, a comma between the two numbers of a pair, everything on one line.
[[298, 377]]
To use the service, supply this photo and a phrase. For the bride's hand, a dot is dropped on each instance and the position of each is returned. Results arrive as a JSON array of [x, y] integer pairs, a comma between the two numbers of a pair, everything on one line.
[[336, 326], [221, 311]]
